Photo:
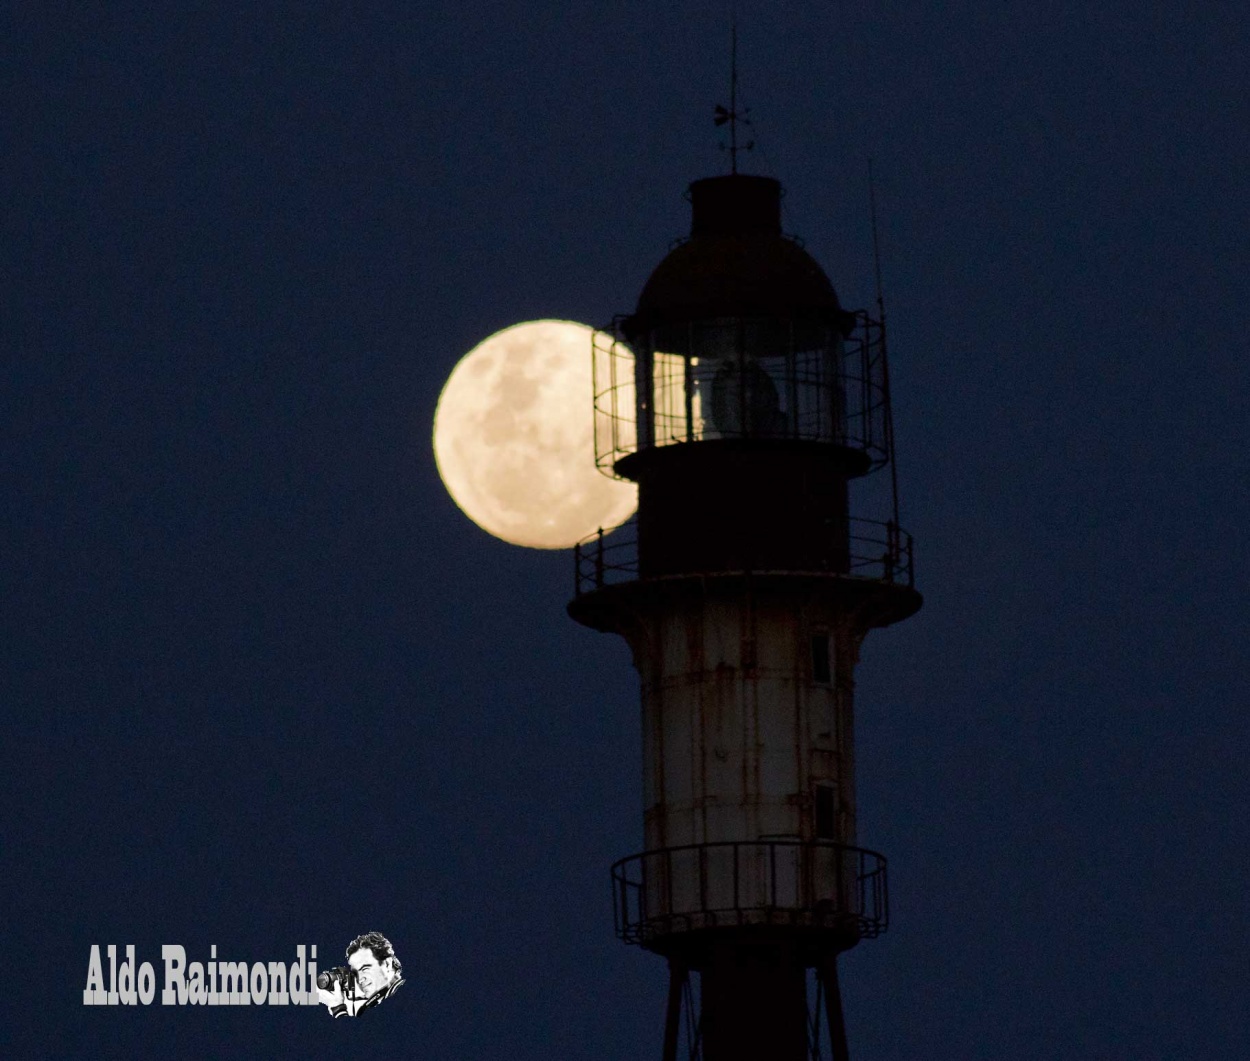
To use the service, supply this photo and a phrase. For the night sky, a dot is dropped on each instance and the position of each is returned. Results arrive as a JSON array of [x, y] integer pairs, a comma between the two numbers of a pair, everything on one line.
[[264, 685]]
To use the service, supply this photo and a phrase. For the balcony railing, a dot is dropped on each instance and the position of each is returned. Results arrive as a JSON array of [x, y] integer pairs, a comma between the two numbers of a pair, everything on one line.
[[880, 552], [816, 884], [820, 386]]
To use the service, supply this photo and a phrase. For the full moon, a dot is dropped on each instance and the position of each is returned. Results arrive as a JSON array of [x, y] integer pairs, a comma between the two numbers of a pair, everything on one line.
[[514, 438]]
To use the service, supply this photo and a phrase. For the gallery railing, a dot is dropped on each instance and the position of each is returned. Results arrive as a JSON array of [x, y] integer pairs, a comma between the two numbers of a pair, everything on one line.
[[800, 883], [879, 551]]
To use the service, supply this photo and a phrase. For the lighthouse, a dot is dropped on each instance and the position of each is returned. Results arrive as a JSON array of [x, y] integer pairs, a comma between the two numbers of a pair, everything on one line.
[[746, 401]]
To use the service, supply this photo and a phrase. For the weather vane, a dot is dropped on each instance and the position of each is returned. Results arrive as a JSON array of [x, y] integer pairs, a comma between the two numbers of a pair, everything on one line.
[[732, 115]]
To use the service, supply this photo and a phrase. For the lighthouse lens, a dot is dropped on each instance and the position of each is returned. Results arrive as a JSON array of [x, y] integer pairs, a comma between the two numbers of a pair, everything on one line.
[[747, 378]]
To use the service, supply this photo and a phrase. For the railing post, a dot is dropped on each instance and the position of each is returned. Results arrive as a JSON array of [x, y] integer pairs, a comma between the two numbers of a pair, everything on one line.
[[884, 907], [703, 878], [668, 880], [599, 561], [623, 927], [642, 890], [862, 887]]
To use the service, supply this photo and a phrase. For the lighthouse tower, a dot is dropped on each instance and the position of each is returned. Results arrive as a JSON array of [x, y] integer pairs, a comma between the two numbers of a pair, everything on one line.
[[745, 401]]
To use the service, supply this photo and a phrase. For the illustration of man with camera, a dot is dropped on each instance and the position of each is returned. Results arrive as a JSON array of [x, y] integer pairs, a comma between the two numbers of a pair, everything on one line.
[[372, 974]]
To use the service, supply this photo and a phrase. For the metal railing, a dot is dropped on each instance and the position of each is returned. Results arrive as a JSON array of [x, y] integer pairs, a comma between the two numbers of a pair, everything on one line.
[[830, 389], [879, 551], [814, 884]]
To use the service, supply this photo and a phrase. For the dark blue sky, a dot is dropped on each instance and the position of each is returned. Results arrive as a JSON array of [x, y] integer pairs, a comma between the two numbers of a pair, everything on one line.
[[264, 685]]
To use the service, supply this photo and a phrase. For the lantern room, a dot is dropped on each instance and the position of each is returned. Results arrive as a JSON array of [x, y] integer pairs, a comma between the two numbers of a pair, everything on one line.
[[738, 334]]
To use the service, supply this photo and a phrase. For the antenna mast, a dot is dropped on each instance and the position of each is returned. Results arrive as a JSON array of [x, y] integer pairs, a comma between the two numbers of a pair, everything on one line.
[[876, 246], [732, 116], [885, 357]]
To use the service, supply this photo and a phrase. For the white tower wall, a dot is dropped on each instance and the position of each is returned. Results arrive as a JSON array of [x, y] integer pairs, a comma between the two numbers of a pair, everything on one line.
[[743, 737]]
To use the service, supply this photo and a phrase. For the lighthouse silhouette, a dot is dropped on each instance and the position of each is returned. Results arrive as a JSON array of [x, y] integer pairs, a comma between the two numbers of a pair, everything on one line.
[[745, 402]]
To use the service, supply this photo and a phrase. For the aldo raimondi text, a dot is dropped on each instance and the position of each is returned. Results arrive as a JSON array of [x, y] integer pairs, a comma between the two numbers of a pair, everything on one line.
[[211, 983]]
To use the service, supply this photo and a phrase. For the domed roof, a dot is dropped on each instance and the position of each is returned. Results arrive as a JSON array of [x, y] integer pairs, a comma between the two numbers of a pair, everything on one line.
[[736, 262]]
